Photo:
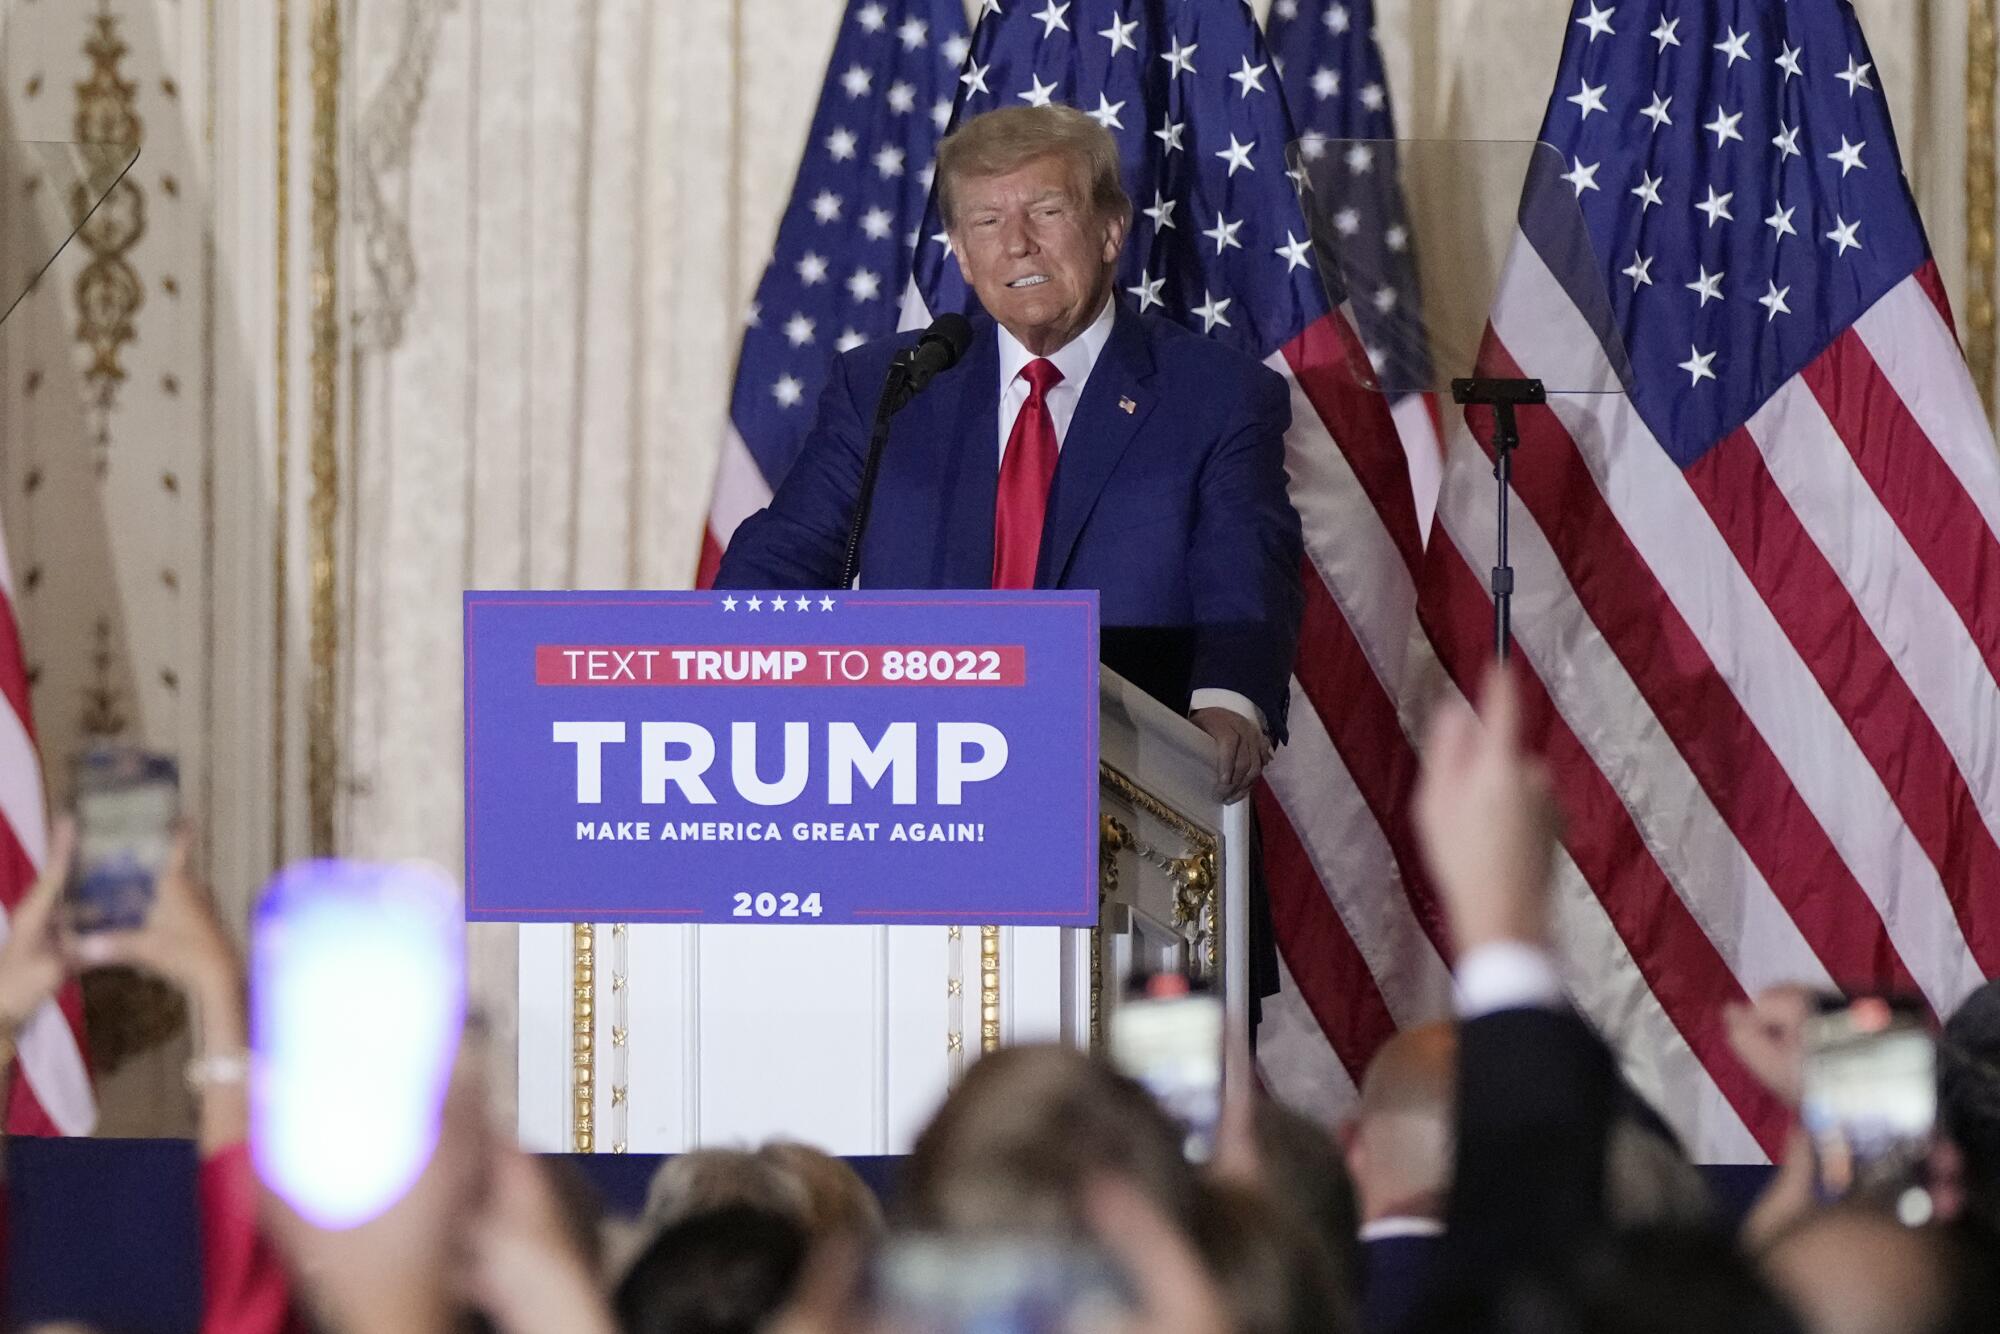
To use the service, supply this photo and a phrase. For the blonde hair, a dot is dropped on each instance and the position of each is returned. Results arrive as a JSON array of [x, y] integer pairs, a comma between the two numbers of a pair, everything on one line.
[[1001, 141]]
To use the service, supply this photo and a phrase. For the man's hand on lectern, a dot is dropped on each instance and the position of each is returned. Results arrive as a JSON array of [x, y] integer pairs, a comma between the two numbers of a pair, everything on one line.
[[1241, 752]]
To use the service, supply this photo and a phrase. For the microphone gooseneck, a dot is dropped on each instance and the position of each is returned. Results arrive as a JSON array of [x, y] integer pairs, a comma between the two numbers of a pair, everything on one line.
[[937, 350]]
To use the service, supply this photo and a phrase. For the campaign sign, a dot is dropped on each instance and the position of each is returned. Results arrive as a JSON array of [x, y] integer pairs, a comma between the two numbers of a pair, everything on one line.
[[873, 757]]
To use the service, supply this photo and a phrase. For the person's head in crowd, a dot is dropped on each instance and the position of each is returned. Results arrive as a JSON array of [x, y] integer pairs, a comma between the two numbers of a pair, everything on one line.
[[710, 1179], [1855, 1270], [1648, 1281], [837, 1200], [1037, 216], [1015, 1144], [723, 1271], [1648, 1180], [1399, 1143], [1274, 1274], [1303, 1162], [1969, 1104]]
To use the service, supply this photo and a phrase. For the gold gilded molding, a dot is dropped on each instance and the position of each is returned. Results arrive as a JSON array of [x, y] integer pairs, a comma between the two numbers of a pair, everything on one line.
[[322, 749], [1112, 838], [583, 1038], [1982, 196], [1195, 872], [109, 292], [281, 433], [989, 989]]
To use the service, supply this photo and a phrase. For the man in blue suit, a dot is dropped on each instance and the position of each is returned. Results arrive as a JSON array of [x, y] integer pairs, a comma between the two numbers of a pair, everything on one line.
[[1077, 444]]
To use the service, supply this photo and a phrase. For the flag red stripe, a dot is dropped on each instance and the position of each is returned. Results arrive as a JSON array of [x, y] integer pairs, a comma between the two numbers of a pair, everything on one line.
[[711, 559], [1680, 964], [1819, 617], [1360, 719], [1671, 668], [1332, 976], [14, 668], [1914, 484], [24, 1113], [1932, 282], [1358, 419]]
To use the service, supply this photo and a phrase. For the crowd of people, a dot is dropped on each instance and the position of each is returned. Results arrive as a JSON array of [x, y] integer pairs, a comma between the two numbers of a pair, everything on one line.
[[1497, 1174]]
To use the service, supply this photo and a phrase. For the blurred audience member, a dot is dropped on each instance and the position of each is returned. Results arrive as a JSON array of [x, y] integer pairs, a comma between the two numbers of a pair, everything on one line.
[[1014, 1146], [1649, 1182], [1399, 1154], [724, 1271], [838, 1201], [1853, 1270], [1274, 1274]]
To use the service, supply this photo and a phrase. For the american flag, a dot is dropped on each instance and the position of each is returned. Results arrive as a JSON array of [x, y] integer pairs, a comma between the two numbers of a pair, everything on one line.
[[1337, 87], [842, 259], [54, 1095], [1219, 242], [1759, 598]]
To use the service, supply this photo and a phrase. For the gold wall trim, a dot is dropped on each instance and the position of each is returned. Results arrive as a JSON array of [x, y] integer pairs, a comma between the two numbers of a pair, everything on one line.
[[1982, 195], [322, 750], [989, 989], [281, 434], [1196, 871], [583, 1039]]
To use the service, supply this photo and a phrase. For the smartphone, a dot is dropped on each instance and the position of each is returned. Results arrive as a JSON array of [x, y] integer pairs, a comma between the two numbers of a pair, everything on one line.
[[996, 1285], [1870, 1099], [1169, 1038], [357, 1010], [126, 802]]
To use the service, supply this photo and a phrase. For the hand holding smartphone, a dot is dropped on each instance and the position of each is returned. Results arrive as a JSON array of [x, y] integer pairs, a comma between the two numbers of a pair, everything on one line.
[[127, 806], [1870, 1099]]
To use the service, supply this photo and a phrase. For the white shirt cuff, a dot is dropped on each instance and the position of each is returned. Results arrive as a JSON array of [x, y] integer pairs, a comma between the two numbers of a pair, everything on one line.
[[1505, 975], [1211, 698]]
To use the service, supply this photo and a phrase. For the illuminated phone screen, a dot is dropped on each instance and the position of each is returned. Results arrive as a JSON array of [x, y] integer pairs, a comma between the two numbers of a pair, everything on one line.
[[126, 804]]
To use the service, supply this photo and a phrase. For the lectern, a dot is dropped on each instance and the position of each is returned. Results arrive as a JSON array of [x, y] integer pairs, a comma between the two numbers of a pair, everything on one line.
[[648, 1036]]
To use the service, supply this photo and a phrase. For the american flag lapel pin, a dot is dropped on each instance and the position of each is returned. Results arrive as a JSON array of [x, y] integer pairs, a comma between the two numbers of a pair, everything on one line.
[[1127, 406]]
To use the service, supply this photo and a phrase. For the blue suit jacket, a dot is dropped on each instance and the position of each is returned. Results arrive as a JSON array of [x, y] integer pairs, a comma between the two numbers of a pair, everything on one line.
[[1169, 498]]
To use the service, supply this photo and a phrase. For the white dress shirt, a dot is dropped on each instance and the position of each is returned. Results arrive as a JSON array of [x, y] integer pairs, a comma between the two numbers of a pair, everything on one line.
[[1076, 359], [1505, 975]]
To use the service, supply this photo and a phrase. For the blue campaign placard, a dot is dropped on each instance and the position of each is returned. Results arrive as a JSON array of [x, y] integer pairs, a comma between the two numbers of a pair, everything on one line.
[[828, 757]]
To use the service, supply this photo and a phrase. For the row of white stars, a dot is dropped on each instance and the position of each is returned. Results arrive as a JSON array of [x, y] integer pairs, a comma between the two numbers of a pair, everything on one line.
[[842, 144], [1336, 17], [1248, 78], [1326, 84], [914, 34], [859, 82], [1734, 47], [777, 603], [1583, 176]]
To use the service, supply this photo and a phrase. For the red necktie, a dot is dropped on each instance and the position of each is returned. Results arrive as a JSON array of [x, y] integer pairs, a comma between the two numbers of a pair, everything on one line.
[[1025, 473]]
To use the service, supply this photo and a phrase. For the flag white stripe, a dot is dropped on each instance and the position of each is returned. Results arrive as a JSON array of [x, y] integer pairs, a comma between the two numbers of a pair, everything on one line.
[[740, 488], [1695, 568], [1695, 849], [47, 1048], [1892, 588], [1347, 539], [1417, 430], [1354, 863], [1298, 1064], [1918, 355]]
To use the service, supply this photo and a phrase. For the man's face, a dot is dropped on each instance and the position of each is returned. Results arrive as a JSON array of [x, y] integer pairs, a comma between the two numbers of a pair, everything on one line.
[[1032, 247]]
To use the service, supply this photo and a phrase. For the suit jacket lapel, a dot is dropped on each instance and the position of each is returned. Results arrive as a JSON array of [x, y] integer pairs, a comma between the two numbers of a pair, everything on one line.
[[1115, 404]]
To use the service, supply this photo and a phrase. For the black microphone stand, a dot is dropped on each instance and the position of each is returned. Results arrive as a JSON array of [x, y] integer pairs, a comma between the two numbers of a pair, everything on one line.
[[896, 391], [1503, 396]]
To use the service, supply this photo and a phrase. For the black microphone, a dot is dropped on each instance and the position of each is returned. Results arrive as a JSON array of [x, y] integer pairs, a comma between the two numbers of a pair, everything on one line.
[[938, 349]]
